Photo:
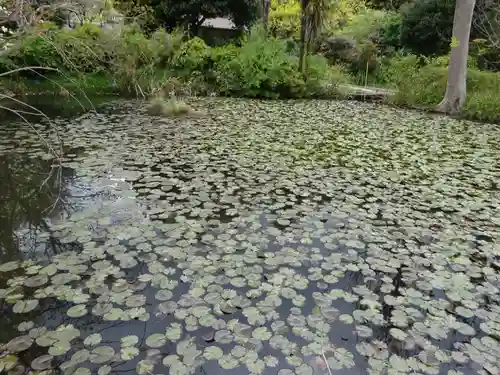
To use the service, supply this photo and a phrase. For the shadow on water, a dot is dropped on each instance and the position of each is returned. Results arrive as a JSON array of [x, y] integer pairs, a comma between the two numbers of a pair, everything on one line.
[[214, 247], [51, 106]]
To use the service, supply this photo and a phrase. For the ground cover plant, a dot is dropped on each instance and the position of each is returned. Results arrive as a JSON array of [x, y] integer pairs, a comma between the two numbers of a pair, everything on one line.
[[270, 237]]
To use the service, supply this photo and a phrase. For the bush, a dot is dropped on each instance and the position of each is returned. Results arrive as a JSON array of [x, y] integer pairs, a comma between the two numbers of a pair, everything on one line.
[[418, 83], [133, 62], [388, 33], [365, 25], [191, 57], [79, 50], [259, 68], [426, 26]]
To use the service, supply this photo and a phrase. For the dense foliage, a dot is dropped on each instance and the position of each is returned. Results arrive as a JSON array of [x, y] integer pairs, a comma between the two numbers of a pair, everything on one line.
[[426, 26], [192, 13], [259, 67]]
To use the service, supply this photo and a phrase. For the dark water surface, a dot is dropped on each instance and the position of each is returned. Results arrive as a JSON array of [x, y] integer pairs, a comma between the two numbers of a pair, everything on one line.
[[261, 238]]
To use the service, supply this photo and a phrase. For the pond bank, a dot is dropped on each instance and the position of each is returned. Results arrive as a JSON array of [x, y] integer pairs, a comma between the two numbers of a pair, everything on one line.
[[73, 95]]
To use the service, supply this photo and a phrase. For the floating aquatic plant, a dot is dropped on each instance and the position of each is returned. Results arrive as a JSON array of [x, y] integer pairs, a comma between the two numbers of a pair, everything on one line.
[[269, 237]]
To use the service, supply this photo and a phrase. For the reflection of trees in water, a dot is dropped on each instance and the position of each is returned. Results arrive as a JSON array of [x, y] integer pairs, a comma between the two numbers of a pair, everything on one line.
[[31, 190]]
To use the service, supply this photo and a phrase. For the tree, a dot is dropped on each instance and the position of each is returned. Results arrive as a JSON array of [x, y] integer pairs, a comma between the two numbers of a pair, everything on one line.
[[426, 26], [192, 13], [456, 89], [312, 18]]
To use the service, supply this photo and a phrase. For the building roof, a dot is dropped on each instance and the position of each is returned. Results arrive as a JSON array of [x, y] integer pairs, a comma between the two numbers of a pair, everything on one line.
[[219, 23]]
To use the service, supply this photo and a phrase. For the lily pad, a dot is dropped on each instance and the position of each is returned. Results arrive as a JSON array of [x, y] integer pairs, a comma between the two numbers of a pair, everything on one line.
[[101, 354], [41, 363]]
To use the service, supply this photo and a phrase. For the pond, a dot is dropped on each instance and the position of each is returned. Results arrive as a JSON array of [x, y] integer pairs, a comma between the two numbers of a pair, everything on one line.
[[264, 237]]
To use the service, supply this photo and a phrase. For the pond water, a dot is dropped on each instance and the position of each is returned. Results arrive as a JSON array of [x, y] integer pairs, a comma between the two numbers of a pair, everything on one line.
[[264, 237]]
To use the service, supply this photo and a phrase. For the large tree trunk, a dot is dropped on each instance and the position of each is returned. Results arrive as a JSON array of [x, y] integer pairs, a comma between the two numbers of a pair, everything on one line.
[[456, 89]]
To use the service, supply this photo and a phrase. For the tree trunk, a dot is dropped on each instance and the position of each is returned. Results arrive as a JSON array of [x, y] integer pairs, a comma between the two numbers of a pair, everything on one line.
[[456, 89], [266, 5], [303, 26]]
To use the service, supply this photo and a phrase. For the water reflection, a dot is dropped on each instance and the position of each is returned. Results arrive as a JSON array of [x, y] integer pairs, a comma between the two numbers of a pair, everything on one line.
[[32, 192]]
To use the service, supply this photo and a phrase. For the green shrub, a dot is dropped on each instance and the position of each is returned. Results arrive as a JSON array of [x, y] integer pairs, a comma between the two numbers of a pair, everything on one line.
[[443, 61], [191, 57], [168, 44], [418, 83], [426, 26], [79, 50], [365, 25], [388, 35], [132, 62], [261, 67], [482, 106]]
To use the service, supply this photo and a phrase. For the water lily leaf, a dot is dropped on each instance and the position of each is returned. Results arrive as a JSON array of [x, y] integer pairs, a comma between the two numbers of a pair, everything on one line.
[[223, 337], [465, 312], [135, 301], [19, 344], [398, 334], [101, 354], [364, 331], [261, 333], [213, 353], [330, 313], [173, 332], [81, 371], [465, 329], [341, 359], [239, 351], [77, 311], [36, 281], [9, 266], [129, 352], [59, 348], [228, 362], [25, 326], [41, 363], [80, 356], [130, 340], [164, 295], [271, 361], [304, 369], [346, 319], [8, 362], [104, 370], [44, 338], [114, 314], [92, 339], [25, 306], [156, 340]]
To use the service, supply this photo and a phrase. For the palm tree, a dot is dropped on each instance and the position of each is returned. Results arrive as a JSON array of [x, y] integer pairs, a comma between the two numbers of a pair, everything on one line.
[[313, 14]]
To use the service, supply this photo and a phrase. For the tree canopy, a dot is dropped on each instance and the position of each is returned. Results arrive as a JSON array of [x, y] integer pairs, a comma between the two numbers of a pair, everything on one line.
[[192, 13]]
